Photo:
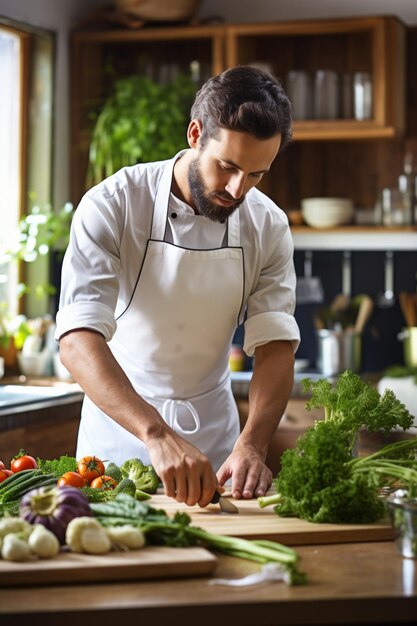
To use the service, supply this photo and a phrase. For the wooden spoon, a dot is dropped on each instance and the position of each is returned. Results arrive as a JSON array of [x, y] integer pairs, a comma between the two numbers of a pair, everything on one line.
[[364, 313], [408, 304]]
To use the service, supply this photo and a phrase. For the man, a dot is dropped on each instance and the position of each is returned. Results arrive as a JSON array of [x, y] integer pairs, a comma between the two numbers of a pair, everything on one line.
[[165, 260]]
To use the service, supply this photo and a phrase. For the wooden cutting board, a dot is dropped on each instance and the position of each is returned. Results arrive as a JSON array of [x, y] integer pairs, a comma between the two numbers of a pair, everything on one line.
[[252, 522], [69, 567]]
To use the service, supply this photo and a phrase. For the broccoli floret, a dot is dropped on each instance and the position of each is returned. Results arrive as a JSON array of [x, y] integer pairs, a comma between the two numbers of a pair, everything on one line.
[[144, 476], [114, 472], [126, 486]]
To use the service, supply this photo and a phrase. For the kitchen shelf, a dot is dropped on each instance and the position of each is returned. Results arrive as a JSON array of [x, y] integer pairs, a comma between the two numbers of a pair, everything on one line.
[[366, 44], [371, 44], [369, 238]]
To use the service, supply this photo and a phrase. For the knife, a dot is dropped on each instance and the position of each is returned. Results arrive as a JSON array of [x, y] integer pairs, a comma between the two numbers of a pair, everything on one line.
[[225, 505]]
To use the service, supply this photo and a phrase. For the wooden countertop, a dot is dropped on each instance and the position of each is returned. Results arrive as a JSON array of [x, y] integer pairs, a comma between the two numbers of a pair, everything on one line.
[[364, 583]]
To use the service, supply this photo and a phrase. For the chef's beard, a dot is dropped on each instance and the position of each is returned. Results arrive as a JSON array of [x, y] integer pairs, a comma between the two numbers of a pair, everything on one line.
[[202, 199]]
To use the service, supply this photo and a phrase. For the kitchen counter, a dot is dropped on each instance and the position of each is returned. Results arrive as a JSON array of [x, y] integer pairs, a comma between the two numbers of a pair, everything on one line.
[[350, 582], [363, 583], [40, 415]]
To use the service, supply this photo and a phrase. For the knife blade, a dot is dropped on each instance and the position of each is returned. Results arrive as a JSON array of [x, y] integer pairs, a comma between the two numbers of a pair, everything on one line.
[[225, 505]]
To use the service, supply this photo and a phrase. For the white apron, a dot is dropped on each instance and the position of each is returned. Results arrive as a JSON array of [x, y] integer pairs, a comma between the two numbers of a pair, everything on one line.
[[173, 341]]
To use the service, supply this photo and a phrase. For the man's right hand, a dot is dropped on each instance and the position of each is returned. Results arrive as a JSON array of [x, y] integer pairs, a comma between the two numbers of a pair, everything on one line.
[[186, 473]]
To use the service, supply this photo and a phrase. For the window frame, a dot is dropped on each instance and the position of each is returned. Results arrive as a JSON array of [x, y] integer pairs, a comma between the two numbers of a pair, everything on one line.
[[24, 38]]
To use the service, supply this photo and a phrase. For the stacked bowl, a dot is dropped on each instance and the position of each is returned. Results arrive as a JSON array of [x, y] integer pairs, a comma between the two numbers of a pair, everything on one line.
[[327, 212]]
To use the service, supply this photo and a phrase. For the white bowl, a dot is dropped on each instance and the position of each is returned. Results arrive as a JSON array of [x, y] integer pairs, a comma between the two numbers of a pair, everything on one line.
[[327, 212], [34, 364]]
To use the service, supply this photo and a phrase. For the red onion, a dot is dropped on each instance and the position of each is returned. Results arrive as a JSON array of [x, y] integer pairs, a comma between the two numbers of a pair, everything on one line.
[[54, 508]]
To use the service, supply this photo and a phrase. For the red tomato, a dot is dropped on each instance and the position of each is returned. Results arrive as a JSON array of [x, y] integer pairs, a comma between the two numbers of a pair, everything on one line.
[[90, 467], [2, 465], [72, 479], [23, 462], [104, 482], [4, 473]]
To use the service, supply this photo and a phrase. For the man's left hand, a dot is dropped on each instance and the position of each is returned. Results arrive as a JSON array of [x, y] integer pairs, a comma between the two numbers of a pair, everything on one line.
[[251, 478]]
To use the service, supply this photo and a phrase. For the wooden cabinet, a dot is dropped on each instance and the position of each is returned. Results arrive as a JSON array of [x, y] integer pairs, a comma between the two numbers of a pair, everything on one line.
[[375, 45], [312, 165]]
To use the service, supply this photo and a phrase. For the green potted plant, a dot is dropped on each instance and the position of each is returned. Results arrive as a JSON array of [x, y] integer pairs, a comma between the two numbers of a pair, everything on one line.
[[41, 232], [141, 121]]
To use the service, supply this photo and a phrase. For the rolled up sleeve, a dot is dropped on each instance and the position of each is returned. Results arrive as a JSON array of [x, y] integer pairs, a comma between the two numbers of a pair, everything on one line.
[[91, 315], [271, 304], [90, 273]]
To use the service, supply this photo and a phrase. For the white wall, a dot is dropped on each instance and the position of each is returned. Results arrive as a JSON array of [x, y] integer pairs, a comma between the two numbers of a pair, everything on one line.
[[265, 10], [57, 16]]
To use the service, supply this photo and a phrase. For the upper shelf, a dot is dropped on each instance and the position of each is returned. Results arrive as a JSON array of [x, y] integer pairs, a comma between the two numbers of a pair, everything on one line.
[[369, 238]]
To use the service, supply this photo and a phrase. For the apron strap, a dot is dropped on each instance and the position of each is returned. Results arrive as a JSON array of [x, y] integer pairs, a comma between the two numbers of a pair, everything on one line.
[[169, 414], [160, 206]]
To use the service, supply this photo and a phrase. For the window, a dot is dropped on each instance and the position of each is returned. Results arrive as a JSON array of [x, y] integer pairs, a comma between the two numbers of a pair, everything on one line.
[[13, 65], [26, 122]]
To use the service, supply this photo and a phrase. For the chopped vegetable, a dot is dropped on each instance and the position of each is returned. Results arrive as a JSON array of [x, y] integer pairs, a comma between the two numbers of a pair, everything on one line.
[[144, 476], [160, 529], [54, 508], [86, 534], [320, 481]]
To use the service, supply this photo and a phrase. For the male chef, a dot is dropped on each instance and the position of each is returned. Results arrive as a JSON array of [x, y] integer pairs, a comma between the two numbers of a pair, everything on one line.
[[166, 259]]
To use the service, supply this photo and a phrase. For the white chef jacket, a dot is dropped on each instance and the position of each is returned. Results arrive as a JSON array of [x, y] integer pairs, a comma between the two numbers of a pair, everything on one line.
[[108, 239]]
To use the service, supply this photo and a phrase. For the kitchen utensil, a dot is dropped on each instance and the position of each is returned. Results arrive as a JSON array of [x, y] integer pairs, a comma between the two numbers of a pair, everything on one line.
[[339, 307], [386, 299], [225, 505], [366, 307], [403, 514], [409, 337], [408, 308], [338, 351], [347, 274], [309, 289]]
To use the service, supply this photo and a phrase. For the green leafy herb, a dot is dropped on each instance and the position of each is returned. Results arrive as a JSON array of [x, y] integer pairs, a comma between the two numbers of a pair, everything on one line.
[[320, 481], [59, 466]]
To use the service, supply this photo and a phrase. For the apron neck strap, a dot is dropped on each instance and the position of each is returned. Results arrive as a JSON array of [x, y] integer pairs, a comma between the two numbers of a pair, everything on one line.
[[160, 209]]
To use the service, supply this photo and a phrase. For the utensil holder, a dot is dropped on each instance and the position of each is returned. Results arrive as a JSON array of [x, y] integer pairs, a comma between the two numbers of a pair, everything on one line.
[[338, 351]]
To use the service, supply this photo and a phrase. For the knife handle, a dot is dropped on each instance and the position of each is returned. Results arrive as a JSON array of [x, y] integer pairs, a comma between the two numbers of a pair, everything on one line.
[[215, 498]]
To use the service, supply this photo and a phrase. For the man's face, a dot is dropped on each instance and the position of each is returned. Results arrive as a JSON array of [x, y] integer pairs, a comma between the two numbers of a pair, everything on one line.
[[226, 168]]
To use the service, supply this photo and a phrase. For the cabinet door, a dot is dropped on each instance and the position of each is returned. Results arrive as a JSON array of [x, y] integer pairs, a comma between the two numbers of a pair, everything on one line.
[[101, 57], [374, 46]]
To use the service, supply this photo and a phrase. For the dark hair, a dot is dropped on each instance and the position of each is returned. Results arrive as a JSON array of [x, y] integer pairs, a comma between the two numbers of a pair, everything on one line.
[[246, 99]]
